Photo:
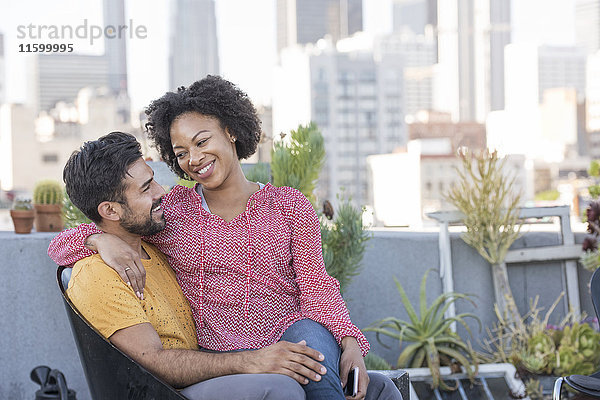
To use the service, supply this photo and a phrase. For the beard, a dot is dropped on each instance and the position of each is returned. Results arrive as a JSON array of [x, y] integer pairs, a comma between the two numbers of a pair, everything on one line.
[[139, 225]]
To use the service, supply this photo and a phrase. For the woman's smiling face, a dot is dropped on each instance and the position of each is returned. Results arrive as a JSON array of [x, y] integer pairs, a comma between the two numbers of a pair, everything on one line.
[[204, 149]]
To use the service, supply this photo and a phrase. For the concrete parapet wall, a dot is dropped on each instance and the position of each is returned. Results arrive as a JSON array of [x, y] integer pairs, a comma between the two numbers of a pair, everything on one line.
[[372, 295], [35, 329]]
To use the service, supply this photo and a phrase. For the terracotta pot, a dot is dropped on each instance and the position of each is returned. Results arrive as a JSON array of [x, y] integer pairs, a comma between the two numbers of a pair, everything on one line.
[[22, 220], [48, 217]]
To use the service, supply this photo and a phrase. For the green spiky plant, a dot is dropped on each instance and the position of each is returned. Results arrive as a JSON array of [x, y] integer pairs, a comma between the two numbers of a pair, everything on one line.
[[344, 242], [432, 343], [375, 362], [72, 215], [485, 196], [297, 163], [259, 173], [48, 192]]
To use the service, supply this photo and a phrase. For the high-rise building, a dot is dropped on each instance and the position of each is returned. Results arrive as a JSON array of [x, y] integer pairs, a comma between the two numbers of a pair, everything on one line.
[[2, 71], [356, 101], [193, 51], [472, 36], [419, 55], [60, 77], [115, 48], [545, 89], [531, 70], [418, 16], [306, 21], [587, 24]]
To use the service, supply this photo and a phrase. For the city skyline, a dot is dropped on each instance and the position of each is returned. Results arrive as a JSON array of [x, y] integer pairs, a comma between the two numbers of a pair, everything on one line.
[[247, 50]]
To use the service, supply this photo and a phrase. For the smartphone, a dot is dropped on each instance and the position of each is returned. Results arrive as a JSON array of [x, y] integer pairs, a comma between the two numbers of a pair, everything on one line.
[[352, 384]]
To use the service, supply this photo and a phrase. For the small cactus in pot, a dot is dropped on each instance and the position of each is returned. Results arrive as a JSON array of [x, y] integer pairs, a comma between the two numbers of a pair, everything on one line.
[[47, 200], [22, 215]]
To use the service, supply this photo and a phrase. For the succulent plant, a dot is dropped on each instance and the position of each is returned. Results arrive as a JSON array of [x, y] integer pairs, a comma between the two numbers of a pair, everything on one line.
[[577, 351], [22, 203], [431, 341], [48, 192]]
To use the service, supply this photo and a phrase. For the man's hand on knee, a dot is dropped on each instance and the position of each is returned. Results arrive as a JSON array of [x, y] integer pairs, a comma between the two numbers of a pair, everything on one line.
[[295, 360]]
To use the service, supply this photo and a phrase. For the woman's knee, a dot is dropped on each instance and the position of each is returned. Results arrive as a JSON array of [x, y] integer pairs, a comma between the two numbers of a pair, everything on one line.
[[316, 337]]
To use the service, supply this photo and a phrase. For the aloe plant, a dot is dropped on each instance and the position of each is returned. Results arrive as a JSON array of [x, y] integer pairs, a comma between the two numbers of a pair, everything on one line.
[[432, 342]]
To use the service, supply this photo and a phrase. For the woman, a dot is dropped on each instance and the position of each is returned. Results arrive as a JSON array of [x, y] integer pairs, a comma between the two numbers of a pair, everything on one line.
[[247, 256]]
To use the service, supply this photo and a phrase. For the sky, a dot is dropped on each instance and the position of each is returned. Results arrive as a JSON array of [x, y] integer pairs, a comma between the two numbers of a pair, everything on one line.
[[246, 34]]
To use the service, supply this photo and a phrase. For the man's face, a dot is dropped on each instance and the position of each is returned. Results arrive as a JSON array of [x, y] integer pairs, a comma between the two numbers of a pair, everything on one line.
[[142, 214]]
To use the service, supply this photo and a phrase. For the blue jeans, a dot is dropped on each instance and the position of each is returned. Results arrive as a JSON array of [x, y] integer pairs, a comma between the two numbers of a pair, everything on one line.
[[329, 387], [319, 338]]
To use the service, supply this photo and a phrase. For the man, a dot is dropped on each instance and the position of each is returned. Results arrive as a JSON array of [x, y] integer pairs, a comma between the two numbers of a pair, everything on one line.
[[110, 183]]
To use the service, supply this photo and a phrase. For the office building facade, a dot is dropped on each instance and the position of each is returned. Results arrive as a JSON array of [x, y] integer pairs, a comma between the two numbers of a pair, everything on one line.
[[307, 21], [193, 50]]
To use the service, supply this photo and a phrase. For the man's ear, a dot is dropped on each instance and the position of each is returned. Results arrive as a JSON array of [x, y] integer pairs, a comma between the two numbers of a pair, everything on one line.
[[109, 210]]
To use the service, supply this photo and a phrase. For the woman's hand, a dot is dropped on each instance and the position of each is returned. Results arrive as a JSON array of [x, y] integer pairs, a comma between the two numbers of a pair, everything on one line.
[[122, 258], [352, 357]]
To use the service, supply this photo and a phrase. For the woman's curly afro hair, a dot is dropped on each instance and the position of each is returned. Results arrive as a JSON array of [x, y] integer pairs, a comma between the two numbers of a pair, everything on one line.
[[212, 96]]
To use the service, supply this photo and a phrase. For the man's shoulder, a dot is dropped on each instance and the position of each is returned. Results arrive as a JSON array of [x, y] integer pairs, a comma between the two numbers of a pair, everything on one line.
[[91, 278], [93, 267]]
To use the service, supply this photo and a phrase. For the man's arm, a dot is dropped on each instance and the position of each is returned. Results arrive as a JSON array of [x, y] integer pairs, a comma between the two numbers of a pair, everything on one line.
[[182, 368]]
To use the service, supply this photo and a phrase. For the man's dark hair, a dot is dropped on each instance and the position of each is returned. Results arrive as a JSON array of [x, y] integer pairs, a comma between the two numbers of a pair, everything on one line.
[[212, 96], [96, 172]]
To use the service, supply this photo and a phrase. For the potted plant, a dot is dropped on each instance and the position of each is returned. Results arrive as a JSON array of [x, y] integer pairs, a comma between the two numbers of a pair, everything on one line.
[[484, 194], [47, 201], [22, 215], [431, 341], [540, 351]]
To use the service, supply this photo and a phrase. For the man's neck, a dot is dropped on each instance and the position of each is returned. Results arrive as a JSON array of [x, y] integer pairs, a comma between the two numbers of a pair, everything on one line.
[[134, 241]]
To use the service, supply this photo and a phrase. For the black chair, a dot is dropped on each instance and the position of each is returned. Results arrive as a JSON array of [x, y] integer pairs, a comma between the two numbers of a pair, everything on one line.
[[589, 385], [110, 373]]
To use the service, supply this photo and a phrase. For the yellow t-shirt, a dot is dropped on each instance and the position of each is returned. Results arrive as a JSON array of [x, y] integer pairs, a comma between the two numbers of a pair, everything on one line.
[[109, 304]]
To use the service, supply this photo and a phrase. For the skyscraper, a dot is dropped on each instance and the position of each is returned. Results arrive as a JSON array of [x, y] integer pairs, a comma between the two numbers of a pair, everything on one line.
[[587, 24], [531, 70], [472, 36], [193, 51], [415, 15], [357, 103], [115, 48], [419, 55], [59, 77], [306, 21]]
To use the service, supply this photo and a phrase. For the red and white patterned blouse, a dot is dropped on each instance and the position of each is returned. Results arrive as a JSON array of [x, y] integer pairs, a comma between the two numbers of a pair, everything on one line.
[[249, 279]]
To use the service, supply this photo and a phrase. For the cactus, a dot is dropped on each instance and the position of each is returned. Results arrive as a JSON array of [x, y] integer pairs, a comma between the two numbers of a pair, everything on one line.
[[48, 192], [22, 204]]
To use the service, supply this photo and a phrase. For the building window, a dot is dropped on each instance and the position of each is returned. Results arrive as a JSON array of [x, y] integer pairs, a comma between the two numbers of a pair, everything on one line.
[[50, 158]]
